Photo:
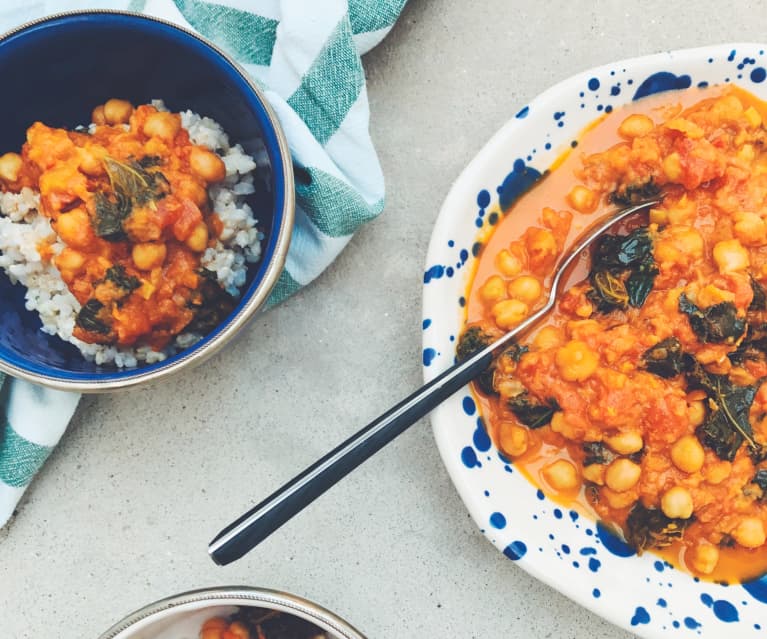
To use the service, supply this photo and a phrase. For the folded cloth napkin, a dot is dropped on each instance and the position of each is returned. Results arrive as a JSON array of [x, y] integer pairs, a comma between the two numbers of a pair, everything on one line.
[[305, 54]]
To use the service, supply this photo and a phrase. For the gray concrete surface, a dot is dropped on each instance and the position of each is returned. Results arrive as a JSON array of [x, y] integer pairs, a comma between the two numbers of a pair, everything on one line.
[[122, 513]]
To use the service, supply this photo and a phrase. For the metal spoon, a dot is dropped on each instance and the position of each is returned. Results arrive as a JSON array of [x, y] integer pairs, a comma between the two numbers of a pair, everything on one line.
[[253, 527]]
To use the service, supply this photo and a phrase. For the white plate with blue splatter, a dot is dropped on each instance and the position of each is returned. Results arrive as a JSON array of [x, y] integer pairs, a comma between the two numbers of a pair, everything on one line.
[[571, 553]]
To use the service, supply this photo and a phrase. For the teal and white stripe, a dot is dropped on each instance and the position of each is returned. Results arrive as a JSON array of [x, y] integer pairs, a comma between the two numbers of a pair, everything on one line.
[[305, 54]]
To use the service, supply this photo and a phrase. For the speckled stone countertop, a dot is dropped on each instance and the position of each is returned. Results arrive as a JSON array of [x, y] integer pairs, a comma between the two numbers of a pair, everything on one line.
[[122, 513]]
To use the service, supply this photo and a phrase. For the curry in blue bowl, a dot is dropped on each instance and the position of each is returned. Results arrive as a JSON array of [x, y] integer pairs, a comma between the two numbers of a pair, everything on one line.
[[146, 200]]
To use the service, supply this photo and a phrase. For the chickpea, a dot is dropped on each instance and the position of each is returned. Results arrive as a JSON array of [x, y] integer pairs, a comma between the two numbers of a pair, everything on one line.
[[687, 454], [728, 107], [635, 126], [74, 228], [237, 631], [525, 288], [198, 238], [509, 313], [676, 503], [689, 128], [508, 263], [549, 337], [117, 111], [582, 199], [595, 473], [493, 290], [576, 361], [92, 161], [214, 628], [514, 440], [622, 475], [69, 260], [561, 475], [750, 229], [162, 125], [704, 558], [192, 190], [541, 247], [148, 255], [97, 115], [10, 166], [672, 166], [626, 443], [618, 500], [749, 533], [206, 165], [717, 472], [730, 256], [753, 117]]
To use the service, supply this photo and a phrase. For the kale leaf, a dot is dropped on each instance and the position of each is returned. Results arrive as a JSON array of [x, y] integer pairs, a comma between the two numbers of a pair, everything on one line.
[[753, 346], [88, 318], [596, 453], [759, 301], [608, 291], [117, 275], [473, 340], [650, 528], [622, 271], [666, 358], [132, 186], [718, 323], [727, 424], [635, 193], [758, 485], [531, 412]]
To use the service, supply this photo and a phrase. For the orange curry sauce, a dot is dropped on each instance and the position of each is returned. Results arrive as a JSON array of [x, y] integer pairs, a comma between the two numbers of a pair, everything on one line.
[[707, 151], [129, 201]]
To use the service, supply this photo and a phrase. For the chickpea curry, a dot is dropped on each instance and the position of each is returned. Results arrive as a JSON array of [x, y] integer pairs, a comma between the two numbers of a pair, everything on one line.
[[260, 623], [129, 201], [642, 398]]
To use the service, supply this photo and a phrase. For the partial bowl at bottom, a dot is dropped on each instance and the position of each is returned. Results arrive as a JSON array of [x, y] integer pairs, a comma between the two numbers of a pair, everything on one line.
[[181, 616]]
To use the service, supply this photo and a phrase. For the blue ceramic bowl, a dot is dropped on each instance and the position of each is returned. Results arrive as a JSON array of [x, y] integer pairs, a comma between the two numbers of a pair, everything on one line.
[[55, 70]]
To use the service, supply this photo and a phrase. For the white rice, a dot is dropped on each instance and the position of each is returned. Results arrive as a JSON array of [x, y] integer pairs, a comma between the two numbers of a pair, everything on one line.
[[22, 228]]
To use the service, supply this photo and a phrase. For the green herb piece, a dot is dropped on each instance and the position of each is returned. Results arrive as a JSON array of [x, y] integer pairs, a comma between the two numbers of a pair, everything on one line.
[[640, 281], [88, 318], [132, 186], [596, 453], [117, 275], [727, 425], [211, 306], [716, 324], [531, 412], [473, 340], [635, 193], [760, 479], [666, 359], [109, 217], [622, 271], [759, 301], [753, 346], [608, 291], [650, 528]]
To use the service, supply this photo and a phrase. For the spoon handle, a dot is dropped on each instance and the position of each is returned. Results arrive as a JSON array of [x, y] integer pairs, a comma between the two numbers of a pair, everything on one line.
[[257, 524]]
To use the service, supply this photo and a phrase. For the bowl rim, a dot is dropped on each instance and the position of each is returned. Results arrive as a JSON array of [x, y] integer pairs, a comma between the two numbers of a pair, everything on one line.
[[207, 348], [236, 596]]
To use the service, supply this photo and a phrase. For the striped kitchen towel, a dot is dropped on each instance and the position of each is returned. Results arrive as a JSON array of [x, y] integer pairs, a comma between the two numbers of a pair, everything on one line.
[[306, 56]]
